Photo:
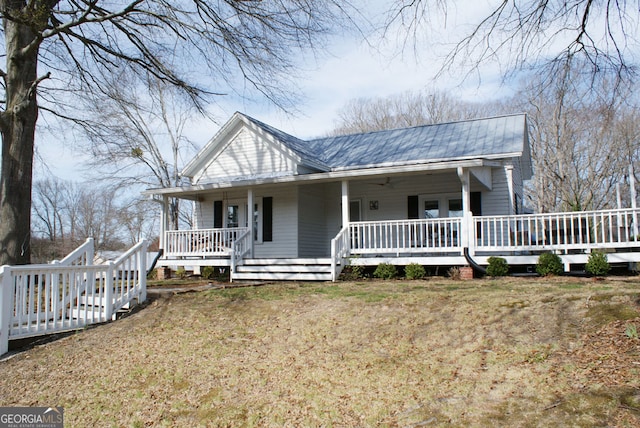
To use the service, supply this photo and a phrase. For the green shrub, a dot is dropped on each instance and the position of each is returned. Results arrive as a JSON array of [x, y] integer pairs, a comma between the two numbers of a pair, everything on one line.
[[497, 266], [208, 272], [385, 271], [352, 272], [549, 264], [414, 271], [597, 264], [181, 272], [454, 273]]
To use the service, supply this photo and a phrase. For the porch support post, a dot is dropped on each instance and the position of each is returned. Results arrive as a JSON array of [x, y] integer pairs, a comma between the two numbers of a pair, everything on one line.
[[345, 203], [250, 214], [463, 175], [164, 222]]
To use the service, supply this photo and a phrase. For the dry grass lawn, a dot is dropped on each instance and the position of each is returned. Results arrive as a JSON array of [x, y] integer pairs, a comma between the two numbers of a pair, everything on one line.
[[514, 352]]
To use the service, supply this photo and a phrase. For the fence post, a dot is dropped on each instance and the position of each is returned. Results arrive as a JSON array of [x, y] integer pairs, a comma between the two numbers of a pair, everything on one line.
[[471, 233], [108, 292], [333, 260], [233, 265], [89, 252], [6, 307], [465, 225], [142, 275]]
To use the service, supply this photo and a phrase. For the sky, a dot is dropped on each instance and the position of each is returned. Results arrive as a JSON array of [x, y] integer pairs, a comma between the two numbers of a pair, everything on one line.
[[351, 68]]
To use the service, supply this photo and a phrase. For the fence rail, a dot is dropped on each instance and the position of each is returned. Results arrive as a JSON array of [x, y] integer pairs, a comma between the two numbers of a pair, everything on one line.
[[339, 252], [50, 298], [201, 242], [241, 248], [557, 231], [406, 236]]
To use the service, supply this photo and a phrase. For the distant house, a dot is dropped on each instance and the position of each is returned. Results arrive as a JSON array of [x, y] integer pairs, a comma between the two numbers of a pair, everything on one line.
[[273, 206]]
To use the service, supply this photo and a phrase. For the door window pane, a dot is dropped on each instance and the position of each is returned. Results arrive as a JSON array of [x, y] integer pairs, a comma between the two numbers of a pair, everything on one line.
[[233, 217], [256, 228], [431, 209]]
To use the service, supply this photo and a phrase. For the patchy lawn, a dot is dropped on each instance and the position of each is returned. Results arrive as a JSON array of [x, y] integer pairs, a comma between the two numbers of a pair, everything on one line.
[[512, 352]]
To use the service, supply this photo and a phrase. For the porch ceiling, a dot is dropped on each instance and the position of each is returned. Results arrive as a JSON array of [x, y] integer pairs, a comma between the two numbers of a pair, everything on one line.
[[191, 192]]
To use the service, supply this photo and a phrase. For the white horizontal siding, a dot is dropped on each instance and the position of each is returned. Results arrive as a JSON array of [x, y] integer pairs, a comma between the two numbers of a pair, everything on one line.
[[496, 202], [307, 217], [312, 222], [392, 197], [518, 187], [285, 221], [285, 218], [247, 155]]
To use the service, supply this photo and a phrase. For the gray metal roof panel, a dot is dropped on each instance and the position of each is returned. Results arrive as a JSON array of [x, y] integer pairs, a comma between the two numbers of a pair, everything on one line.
[[489, 137]]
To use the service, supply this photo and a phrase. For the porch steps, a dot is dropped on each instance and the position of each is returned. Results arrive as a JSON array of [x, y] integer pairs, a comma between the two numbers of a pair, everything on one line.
[[313, 269]]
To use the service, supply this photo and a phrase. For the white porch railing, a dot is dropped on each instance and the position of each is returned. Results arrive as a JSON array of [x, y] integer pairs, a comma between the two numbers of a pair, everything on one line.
[[405, 236], [339, 252], [241, 248], [516, 235], [557, 231], [201, 242], [50, 298], [81, 256]]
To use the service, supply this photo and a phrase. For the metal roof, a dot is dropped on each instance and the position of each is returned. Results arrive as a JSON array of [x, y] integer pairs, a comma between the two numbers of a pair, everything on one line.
[[488, 138], [480, 138], [469, 143]]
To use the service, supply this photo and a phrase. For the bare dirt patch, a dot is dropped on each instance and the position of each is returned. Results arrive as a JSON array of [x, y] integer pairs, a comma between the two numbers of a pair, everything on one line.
[[512, 352]]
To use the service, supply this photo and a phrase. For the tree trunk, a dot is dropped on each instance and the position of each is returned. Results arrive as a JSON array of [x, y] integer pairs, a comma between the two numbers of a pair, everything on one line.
[[17, 126]]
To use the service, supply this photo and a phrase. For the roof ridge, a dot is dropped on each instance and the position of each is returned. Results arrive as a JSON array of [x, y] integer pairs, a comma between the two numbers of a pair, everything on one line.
[[477, 119]]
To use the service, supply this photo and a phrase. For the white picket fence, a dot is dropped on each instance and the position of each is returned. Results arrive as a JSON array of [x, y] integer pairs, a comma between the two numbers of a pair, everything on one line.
[[68, 294]]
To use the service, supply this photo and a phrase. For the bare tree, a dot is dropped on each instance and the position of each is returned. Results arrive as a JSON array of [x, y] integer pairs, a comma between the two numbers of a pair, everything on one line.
[[137, 134], [518, 34], [139, 220], [402, 111], [58, 51], [577, 141], [66, 213], [49, 208]]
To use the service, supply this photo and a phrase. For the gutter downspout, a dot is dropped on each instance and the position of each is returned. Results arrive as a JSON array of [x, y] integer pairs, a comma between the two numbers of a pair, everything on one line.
[[476, 267]]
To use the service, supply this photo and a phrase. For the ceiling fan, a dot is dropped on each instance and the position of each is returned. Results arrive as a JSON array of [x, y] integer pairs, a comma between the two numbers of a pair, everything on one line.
[[386, 183]]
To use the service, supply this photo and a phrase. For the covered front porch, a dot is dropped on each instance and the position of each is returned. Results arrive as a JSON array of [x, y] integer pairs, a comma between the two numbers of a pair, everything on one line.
[[438, 241]]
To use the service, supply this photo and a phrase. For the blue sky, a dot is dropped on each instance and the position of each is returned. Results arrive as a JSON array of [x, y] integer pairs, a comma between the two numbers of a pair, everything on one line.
[[351, 69]]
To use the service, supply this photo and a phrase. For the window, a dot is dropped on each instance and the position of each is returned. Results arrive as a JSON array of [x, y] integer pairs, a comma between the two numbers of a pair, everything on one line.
[[355, 210], [455, 208], [436, 205]]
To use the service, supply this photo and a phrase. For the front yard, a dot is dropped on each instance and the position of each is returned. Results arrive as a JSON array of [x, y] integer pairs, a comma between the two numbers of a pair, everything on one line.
[[509, 352]]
